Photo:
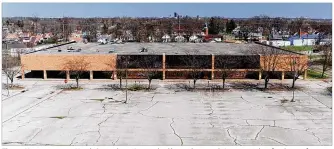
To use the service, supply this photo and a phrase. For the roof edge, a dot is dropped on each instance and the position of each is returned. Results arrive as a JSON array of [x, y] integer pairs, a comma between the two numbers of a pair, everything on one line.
[[256, 42]]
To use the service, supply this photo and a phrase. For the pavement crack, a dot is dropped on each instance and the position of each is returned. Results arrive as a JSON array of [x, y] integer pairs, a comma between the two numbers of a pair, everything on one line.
[[275, 140], [257, 135], [212, 125], [100, 127], [68, 112], [234, 139], [35, 135], [150, 116], [288, 111], [247, 122], [55, 93], [21, 126], [245, 99], [315, 136], [114, 143], [150, 106], [317, 100], [175, 132], [73, 140], [153, 96], [211, 109]]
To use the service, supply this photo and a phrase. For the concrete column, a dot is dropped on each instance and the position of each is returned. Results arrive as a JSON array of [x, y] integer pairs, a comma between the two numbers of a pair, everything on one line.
[[22, 74], [283, 74], [305, 75], [91, 75], [45, 76], [67, 75], [163, 66], [212, 66], [260, 75], [114, 75]]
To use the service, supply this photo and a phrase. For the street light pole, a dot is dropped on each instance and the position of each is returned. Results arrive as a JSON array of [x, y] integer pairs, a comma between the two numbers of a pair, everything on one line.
[[6, 67], [126, 80], [294, 79]]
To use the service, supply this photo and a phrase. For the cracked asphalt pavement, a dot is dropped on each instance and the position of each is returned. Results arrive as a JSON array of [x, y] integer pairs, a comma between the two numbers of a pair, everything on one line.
[[45, 115]]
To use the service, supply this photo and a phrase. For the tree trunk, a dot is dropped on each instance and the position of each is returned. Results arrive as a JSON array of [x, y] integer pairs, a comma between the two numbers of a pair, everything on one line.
[[293, 95], [194, 84], [11, 81], [323, 73], [293, 81], [7, 87], [126, 86], [77, 80], [266, 81], [120, 82], [149, 83], [224, 83], [324, 67]]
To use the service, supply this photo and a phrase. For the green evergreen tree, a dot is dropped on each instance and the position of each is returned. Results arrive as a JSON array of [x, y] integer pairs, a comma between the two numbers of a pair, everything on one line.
[[230, 26]]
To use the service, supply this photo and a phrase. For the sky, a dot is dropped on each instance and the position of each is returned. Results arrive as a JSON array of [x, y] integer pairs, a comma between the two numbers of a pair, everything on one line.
[[228, 10]]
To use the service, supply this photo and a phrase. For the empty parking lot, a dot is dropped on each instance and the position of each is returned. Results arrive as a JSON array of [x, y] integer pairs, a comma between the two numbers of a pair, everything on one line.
[[47, 115]]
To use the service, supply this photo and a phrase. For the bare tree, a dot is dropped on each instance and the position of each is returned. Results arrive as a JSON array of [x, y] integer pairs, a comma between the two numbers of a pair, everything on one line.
[[297, 66], [76, 67], [34, 27], [89, 26], [67, 29], [269, 61], [195, 63], [151, 64], [11, 66], [224, 66], [326, 60], [123, 62]]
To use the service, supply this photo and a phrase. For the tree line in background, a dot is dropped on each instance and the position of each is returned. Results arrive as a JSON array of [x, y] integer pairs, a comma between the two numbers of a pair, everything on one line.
[[142, 28]]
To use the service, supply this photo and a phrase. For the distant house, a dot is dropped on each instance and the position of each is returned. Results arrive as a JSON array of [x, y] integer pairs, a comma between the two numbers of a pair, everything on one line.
[[255, 36], [213, 38], [278, 41], [152, 39], [304, 39], [179, 38], [128, 36], [12, 37], [275, 37], [166, 38], [194, 38]]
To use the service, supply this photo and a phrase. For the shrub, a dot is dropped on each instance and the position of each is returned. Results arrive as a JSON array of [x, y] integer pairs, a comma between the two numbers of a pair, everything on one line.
[[315, 75], [136, 87]]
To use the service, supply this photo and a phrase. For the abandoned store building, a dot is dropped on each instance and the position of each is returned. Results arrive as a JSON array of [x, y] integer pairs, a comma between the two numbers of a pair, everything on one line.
[[167, 60]]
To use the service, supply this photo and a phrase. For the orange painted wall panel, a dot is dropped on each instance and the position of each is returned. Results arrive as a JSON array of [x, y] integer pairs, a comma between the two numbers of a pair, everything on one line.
[[98, 62]]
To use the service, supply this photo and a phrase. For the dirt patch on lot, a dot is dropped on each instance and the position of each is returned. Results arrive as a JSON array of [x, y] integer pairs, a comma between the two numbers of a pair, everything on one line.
[[12, 87]]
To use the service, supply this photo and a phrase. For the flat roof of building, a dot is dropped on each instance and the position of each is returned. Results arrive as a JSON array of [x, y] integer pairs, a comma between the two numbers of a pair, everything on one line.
[[157, 48]]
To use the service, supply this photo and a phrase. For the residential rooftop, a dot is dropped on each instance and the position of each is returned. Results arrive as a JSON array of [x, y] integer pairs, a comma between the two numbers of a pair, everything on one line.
[[156, 48]]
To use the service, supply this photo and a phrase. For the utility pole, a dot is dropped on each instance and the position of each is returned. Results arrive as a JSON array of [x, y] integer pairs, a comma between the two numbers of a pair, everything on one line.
[[6, 67], [63, 28], [178, 16]]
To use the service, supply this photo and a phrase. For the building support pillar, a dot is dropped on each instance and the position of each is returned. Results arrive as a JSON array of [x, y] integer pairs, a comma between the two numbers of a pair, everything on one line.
[[67, 75], [163, 66], [283, 75], [305, 75], [260, 75], [45, 76], [22, 74], [91, 75], [114, 75], [212, 66]]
